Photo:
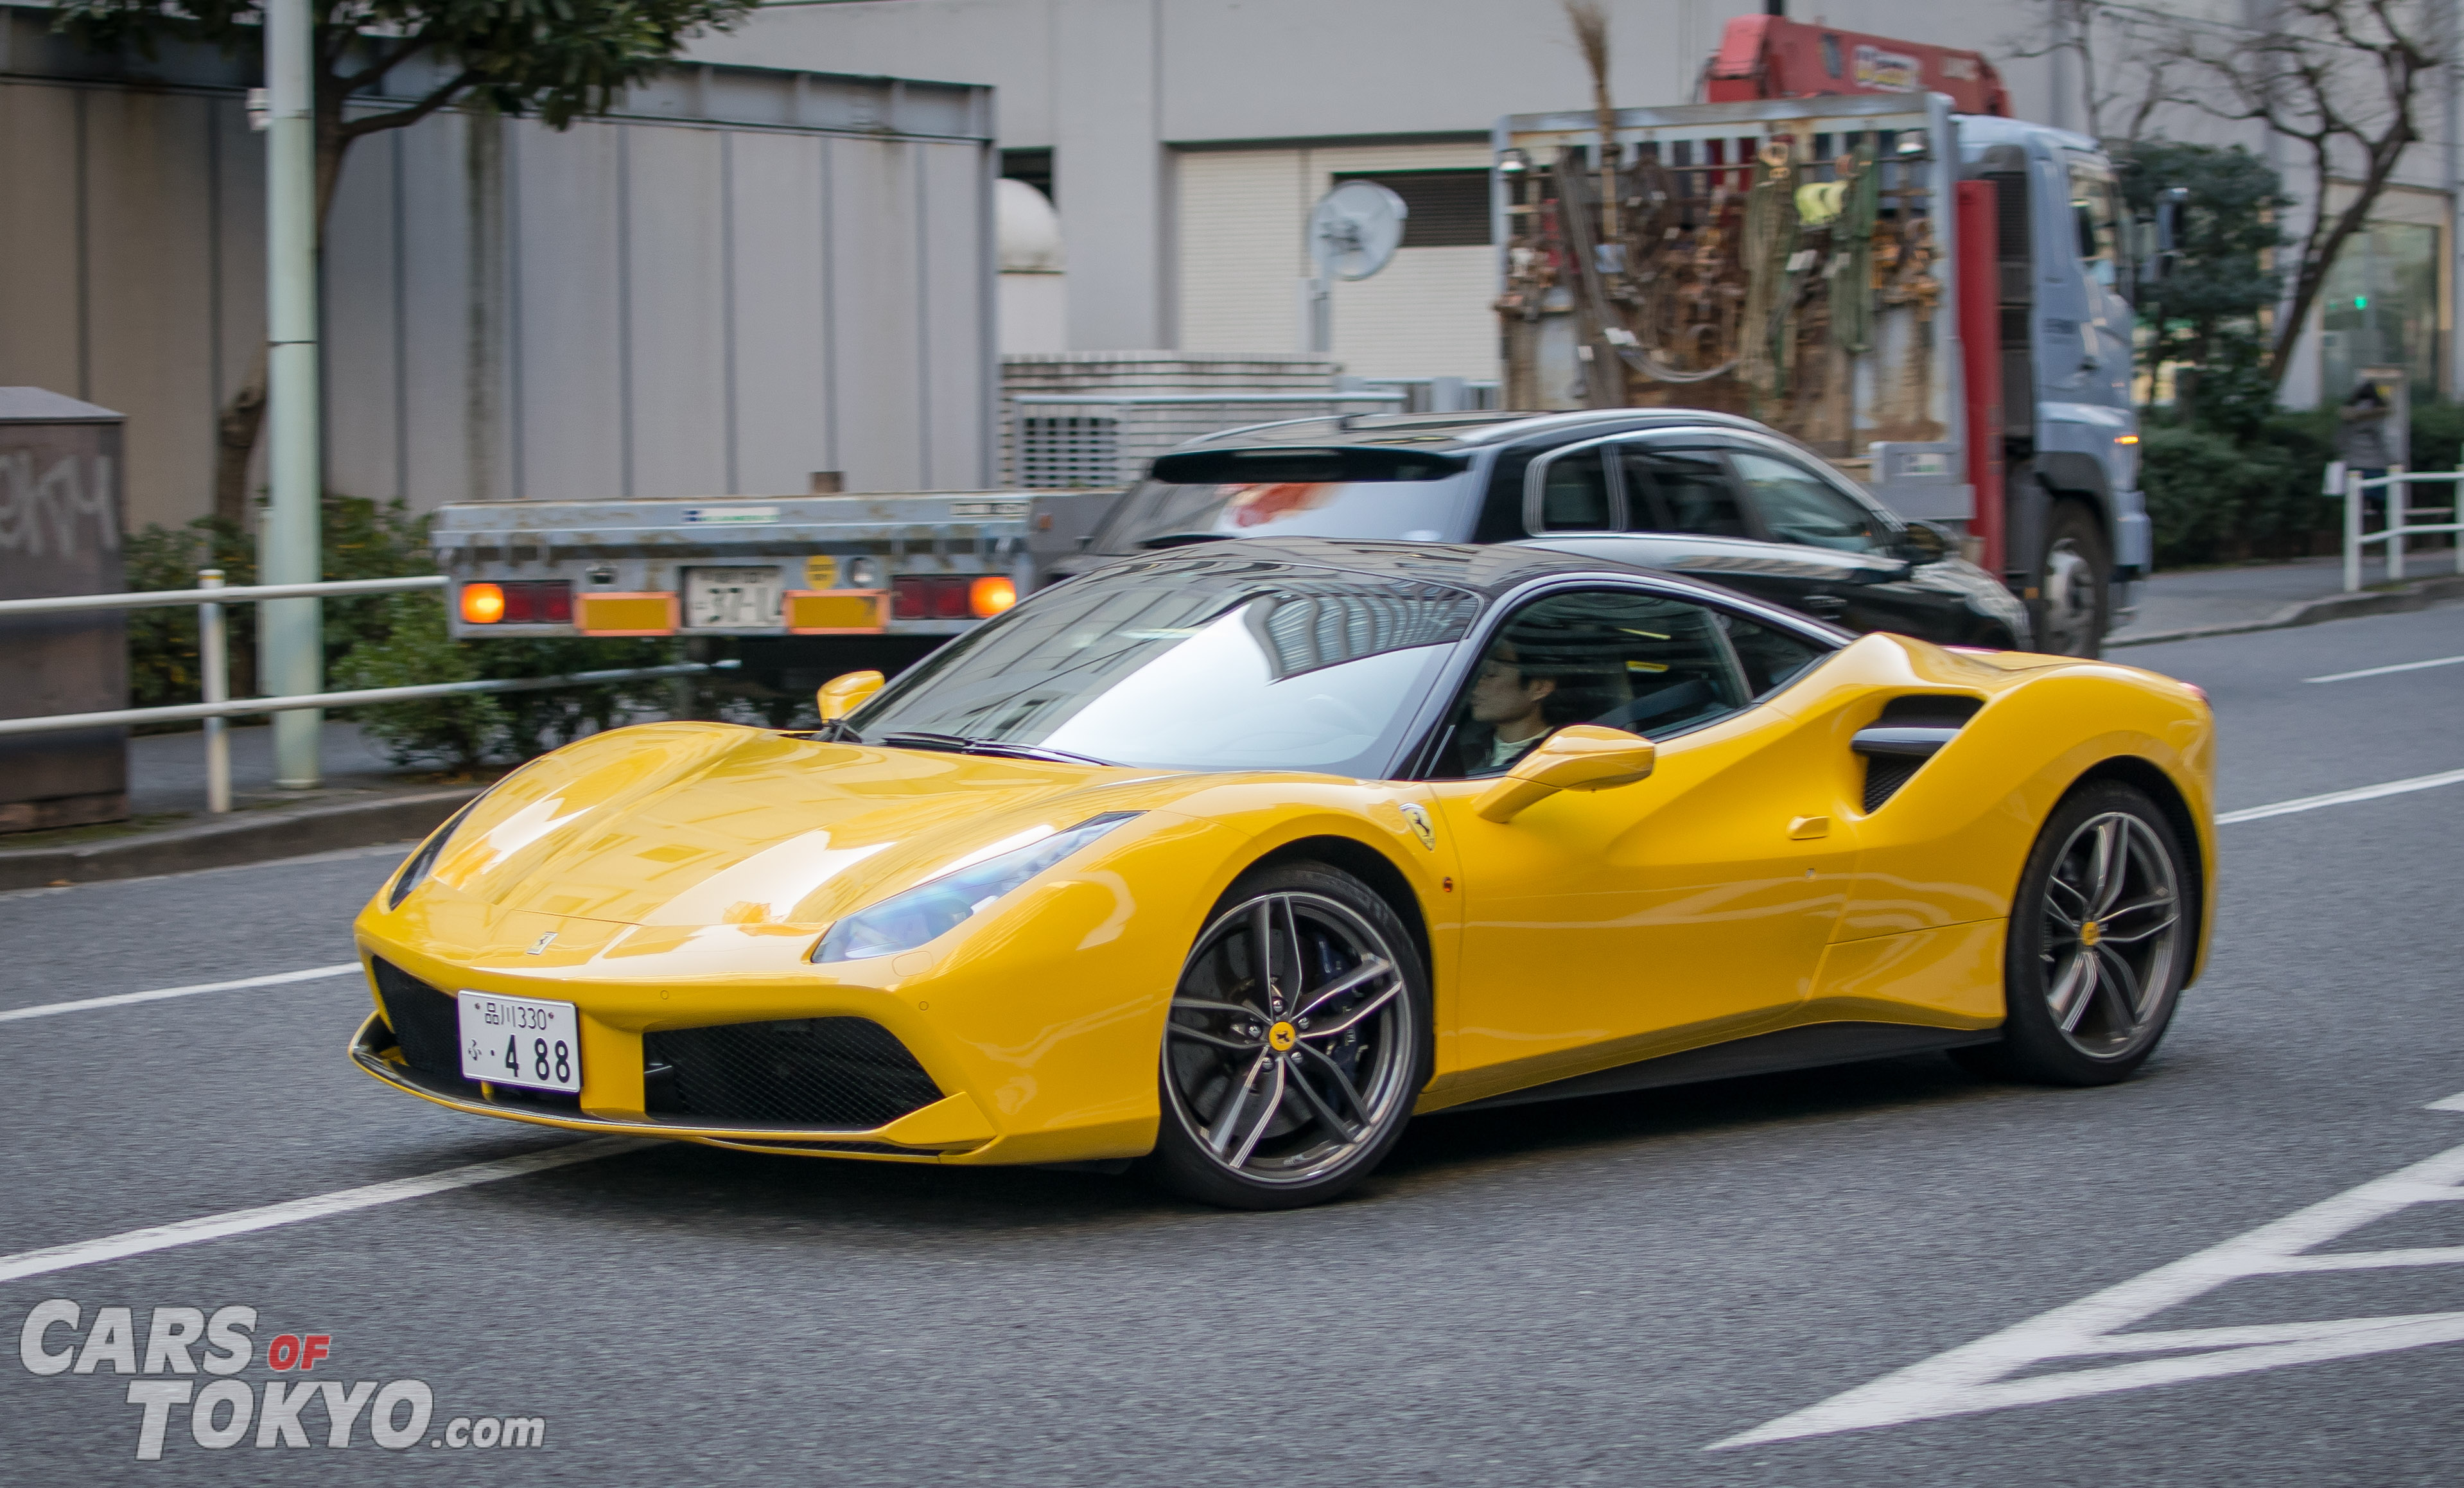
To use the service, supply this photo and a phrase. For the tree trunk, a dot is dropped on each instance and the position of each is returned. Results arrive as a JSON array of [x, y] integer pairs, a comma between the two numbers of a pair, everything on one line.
[[236, 432]]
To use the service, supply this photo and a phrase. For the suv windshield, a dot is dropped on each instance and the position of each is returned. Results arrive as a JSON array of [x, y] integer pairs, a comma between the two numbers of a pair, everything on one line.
[[1192, 664]]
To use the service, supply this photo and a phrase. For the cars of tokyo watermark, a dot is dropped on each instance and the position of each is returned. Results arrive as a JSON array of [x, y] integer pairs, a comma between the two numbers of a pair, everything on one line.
[[186, 1368]]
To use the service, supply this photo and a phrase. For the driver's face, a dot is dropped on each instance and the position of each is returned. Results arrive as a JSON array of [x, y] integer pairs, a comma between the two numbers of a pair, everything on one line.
[[1499, 695]]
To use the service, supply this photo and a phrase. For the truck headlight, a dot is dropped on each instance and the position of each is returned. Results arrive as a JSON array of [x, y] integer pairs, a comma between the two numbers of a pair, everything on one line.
[[938, 906]]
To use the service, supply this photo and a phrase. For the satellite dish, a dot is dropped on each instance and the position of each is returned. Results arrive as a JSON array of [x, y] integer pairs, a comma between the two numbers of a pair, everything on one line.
[[1355, 228]]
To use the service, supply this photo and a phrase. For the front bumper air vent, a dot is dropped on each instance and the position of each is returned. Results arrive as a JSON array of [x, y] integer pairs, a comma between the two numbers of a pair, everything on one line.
[[848, 1073]]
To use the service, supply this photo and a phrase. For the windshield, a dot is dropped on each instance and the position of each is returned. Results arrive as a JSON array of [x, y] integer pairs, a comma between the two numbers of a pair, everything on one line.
[[1160, 513], [1229, 666]]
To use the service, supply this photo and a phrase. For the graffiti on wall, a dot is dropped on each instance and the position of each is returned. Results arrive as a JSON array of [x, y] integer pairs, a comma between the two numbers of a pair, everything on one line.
[[43, 509]]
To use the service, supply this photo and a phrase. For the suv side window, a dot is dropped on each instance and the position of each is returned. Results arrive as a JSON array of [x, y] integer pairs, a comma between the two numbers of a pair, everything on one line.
[[1620, 658], [1798, 506], [1574, 495], [1684, 490]]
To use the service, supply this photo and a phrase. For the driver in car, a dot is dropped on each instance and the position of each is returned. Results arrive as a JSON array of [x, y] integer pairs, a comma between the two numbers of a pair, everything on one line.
[[1508, 713]]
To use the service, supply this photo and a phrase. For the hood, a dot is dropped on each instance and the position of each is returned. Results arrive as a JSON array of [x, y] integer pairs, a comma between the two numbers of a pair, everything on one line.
[[698, 824]]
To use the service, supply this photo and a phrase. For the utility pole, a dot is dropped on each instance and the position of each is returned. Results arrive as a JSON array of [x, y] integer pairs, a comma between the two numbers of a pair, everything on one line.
[[291, 640]]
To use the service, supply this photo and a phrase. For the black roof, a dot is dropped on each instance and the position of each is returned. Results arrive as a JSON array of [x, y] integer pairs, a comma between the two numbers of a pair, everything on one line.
[[1488, 571]]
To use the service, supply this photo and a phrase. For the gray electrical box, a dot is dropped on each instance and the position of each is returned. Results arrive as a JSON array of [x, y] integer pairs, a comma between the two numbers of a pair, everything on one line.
[[60, 534]]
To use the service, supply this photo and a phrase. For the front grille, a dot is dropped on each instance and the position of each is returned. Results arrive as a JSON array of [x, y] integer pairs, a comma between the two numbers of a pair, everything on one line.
[[424, 1023], [844, 1072]]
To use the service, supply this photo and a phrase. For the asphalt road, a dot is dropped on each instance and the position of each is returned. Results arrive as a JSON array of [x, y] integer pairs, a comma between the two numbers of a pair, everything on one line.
[[1588, 1292]]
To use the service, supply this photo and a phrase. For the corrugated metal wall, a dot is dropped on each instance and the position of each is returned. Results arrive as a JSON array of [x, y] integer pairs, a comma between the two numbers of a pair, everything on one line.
[[744, 278]]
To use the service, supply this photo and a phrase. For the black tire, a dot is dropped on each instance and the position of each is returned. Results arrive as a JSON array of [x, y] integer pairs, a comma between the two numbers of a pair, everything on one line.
[[2073, 582], [2106, 954], [1259, 1110]]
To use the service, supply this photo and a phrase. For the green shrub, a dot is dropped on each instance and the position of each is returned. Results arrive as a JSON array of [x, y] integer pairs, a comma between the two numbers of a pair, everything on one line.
[[382, 641], [2211, 497]]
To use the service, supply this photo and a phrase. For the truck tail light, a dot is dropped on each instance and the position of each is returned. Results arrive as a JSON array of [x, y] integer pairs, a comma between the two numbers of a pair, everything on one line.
[[531, 601], [990, 595], [932, 596]]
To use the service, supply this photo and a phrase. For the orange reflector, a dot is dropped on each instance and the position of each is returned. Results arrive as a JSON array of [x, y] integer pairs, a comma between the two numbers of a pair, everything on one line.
[[483, 605], [836, 611], [641, 614], [990, 595]]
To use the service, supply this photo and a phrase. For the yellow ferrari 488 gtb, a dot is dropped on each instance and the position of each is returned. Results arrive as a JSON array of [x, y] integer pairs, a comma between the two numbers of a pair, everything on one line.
[[1231, 858]]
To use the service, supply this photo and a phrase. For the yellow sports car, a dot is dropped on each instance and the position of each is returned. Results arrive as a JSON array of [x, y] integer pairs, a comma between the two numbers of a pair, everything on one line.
[[1231, 859]]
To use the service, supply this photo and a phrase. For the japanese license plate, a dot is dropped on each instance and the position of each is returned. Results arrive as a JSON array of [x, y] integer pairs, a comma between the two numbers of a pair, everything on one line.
[[732, 599], [520, 1041]]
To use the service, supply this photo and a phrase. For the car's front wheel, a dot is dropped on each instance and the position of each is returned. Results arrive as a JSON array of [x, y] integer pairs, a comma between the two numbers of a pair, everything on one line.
[[2101, 938], [1297, 1041]]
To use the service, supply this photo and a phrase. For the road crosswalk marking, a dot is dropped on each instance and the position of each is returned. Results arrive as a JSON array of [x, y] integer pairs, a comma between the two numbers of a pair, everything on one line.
[[2001, 1370]]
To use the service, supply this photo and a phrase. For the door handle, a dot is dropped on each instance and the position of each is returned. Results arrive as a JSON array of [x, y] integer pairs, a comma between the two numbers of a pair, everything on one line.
[[1825, 607]]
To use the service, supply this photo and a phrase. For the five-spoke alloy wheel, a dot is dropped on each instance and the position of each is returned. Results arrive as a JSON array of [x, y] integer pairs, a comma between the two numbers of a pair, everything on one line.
[[2099, 940], [1296, 1042]]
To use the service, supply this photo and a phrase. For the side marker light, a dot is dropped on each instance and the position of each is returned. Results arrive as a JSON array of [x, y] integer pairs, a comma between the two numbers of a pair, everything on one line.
[[990, 595]]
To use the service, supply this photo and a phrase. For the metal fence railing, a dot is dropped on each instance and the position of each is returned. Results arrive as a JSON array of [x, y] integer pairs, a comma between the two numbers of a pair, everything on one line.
[[2399, 526], [215, 704]]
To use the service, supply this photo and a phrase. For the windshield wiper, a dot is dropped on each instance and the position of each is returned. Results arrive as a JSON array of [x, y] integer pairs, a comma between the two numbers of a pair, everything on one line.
[[1183, 540], [959, 743]]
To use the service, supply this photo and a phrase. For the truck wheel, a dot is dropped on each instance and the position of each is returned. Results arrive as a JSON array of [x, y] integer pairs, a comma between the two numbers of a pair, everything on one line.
[[2075, 580]]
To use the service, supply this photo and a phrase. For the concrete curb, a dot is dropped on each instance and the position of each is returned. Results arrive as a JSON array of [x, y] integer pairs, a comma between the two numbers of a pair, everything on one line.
[[2418, 595], [245, 837]]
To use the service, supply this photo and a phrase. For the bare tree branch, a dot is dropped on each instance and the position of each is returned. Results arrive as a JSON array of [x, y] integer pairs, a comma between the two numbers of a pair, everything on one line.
[[2340, 78]]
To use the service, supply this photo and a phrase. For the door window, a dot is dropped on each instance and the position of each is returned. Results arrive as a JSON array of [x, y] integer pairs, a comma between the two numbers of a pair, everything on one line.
[[1684, 490], [1619, 658], [1771, 658], [2093, 218], [1574, 495], [1798, 506]]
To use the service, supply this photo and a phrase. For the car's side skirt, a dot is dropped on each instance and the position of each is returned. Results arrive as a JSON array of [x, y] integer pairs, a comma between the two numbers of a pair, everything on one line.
[[1810, 1047]]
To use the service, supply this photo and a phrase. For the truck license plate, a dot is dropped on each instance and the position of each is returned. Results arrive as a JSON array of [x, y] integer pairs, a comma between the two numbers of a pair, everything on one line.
[[520, 1041], [732, 599]]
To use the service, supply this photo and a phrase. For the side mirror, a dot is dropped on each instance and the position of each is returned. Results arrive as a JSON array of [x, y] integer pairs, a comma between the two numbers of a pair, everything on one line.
[[1580, 756], [1925, 543], [846, 692]]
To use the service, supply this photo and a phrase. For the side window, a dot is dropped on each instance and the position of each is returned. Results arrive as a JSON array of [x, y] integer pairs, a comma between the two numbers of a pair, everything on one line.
[[1681, 490], [2092, 213], [1798, 506], [1613, 657], [1574, 495], [1773, 658]]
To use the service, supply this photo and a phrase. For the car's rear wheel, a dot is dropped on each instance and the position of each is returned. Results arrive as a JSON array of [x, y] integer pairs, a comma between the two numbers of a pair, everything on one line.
[[1297, 1041], [2101, 938]]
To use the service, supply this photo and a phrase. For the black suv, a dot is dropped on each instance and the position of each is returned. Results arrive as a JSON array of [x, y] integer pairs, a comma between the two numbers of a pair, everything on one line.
[[1705, 495]]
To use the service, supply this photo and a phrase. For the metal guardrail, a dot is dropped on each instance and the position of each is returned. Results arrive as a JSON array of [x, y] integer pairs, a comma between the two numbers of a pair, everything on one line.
[[214, 666], [2399, 527]]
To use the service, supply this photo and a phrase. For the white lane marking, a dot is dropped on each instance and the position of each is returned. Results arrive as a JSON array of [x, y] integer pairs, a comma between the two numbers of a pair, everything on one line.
[[341, 1201], [2419, 782], [2453, 1103], [2381, 672], [1978, 1377], [124, 998]]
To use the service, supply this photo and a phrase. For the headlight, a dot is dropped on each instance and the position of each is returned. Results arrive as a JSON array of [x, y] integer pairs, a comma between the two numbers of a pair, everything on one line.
[[930, 910], [414, 873]]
